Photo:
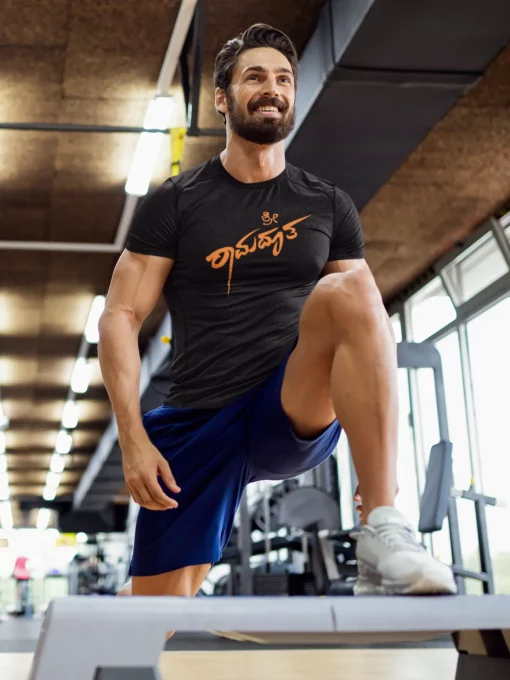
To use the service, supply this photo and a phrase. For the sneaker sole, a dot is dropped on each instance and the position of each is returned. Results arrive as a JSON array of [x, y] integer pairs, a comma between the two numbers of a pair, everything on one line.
[[428, 584], [423, 587]]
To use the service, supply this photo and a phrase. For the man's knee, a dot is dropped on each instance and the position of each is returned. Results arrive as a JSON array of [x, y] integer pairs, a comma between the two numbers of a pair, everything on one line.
[[354, 292], [358, 283]]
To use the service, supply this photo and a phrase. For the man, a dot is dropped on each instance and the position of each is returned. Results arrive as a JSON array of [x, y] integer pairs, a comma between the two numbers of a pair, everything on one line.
[[279, 336]]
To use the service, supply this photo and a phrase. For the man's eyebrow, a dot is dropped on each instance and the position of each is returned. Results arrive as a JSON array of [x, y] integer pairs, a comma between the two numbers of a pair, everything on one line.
[[262, 69]]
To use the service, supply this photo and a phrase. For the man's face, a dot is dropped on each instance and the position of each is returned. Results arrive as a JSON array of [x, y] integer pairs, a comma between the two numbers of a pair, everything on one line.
[[260, 102]]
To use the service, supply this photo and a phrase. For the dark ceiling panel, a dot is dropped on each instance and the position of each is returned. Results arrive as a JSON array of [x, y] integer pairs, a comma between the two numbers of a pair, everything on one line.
[[458, 36], [358, 134]]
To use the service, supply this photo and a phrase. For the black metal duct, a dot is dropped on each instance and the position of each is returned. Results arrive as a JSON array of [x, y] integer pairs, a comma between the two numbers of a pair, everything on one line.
[[377, 76]]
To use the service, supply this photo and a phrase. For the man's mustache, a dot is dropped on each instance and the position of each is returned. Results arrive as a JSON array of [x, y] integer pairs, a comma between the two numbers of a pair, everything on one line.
[[280, 104]]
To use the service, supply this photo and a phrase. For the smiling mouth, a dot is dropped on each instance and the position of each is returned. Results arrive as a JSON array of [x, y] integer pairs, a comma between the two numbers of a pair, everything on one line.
[[267, 110]]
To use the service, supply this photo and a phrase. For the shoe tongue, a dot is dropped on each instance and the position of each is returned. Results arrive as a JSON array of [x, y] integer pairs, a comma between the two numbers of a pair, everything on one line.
[[386, 515]]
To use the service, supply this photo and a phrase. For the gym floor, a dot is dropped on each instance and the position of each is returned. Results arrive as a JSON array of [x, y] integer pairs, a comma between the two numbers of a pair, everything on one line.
[[198, 655], [405, 664]]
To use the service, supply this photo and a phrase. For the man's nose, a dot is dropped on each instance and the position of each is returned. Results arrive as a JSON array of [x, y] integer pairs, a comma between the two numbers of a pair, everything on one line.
[[271, 88]]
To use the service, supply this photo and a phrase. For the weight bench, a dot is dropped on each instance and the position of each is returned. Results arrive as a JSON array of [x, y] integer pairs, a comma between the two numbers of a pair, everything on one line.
[[107, 638]]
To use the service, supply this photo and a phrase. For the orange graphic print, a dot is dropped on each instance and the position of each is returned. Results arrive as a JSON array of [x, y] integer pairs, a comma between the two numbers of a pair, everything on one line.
[[273, 237]]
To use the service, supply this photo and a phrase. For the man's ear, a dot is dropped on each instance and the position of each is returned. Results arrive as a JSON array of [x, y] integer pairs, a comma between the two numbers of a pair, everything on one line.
[[220, 100]]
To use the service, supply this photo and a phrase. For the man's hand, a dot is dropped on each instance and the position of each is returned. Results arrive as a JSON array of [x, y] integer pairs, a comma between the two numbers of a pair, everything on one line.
[[142, 464]]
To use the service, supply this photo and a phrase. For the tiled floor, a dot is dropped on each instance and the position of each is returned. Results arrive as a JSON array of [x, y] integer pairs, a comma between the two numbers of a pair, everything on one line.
[[18, 634]]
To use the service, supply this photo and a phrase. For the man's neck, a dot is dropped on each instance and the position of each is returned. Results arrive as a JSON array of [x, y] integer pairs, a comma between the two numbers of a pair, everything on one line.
[[249, 163]]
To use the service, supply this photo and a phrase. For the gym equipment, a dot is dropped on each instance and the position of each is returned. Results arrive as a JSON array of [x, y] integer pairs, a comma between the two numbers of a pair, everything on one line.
[[439, 498], [114, 638], [308, 513], [272, 496], [314, 512]]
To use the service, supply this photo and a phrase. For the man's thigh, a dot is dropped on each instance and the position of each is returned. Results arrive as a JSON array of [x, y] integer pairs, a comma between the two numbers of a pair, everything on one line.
[[306, 389]]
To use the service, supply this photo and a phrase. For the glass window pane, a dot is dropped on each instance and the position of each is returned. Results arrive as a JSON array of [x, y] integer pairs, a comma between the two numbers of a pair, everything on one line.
[[489, 343], [456, 409], [462, 472], [431, 309], [407, 499], [397, 326], [477, 268], [343, 459]]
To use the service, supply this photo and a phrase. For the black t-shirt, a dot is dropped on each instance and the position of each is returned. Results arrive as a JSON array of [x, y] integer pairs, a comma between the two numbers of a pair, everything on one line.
[[246, 257]]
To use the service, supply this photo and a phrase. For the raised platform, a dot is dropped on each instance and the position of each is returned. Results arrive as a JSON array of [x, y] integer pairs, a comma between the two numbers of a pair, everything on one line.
[[110, 638]]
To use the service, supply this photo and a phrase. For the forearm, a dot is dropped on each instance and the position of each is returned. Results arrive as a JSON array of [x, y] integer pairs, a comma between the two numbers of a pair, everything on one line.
[[119, 358]]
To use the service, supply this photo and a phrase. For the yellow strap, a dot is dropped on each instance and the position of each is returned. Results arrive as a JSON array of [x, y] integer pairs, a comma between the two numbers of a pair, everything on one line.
[[177, 135]]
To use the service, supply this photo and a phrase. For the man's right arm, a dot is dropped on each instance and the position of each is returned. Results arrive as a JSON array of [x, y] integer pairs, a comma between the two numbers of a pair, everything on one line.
[[135, 288]]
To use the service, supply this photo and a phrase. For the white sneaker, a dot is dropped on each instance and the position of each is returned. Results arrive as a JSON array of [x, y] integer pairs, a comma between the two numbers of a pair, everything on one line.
[[392, 562]]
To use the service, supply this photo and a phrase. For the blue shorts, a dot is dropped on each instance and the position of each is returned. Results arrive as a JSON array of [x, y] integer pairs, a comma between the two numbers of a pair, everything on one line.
[[213, 455]]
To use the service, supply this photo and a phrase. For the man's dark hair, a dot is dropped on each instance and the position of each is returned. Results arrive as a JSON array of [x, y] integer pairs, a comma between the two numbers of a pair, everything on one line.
[[258, 35]]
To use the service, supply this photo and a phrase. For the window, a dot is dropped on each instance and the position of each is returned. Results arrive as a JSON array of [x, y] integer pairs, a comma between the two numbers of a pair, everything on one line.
[[407, 500], [489, 343], [431, 308], [456, 409], [476, 268], [462, 471], [397, 326], [343, 458]]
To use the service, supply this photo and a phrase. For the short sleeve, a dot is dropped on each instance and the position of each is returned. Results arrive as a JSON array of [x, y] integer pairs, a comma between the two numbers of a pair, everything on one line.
[[154, 227], [347, 242]]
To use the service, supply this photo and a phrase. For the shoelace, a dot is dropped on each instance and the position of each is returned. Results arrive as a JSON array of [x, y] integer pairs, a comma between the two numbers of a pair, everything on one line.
[[399, 536]]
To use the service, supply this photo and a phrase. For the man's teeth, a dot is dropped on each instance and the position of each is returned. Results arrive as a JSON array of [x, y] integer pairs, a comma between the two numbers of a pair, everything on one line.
[[267, 108]]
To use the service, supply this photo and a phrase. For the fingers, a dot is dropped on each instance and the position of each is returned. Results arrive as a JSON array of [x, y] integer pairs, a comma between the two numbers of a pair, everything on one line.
[[146, 491], [167, 476], [134, 493], [158, 496]]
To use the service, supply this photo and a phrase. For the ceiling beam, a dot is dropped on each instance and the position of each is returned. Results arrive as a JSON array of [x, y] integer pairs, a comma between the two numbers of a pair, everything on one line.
[[17, 424], [50, 345], [50, 393], [44, 468], [47, 451]]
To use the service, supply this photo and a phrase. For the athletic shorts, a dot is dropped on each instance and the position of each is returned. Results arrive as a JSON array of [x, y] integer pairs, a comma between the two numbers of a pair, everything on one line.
[[213, 455]]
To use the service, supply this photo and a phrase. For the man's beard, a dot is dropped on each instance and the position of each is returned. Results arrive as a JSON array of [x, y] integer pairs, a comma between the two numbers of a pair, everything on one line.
[[261, 130]]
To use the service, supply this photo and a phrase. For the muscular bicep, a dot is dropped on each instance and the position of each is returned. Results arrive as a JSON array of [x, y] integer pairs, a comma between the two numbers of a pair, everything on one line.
[[137, 284]]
